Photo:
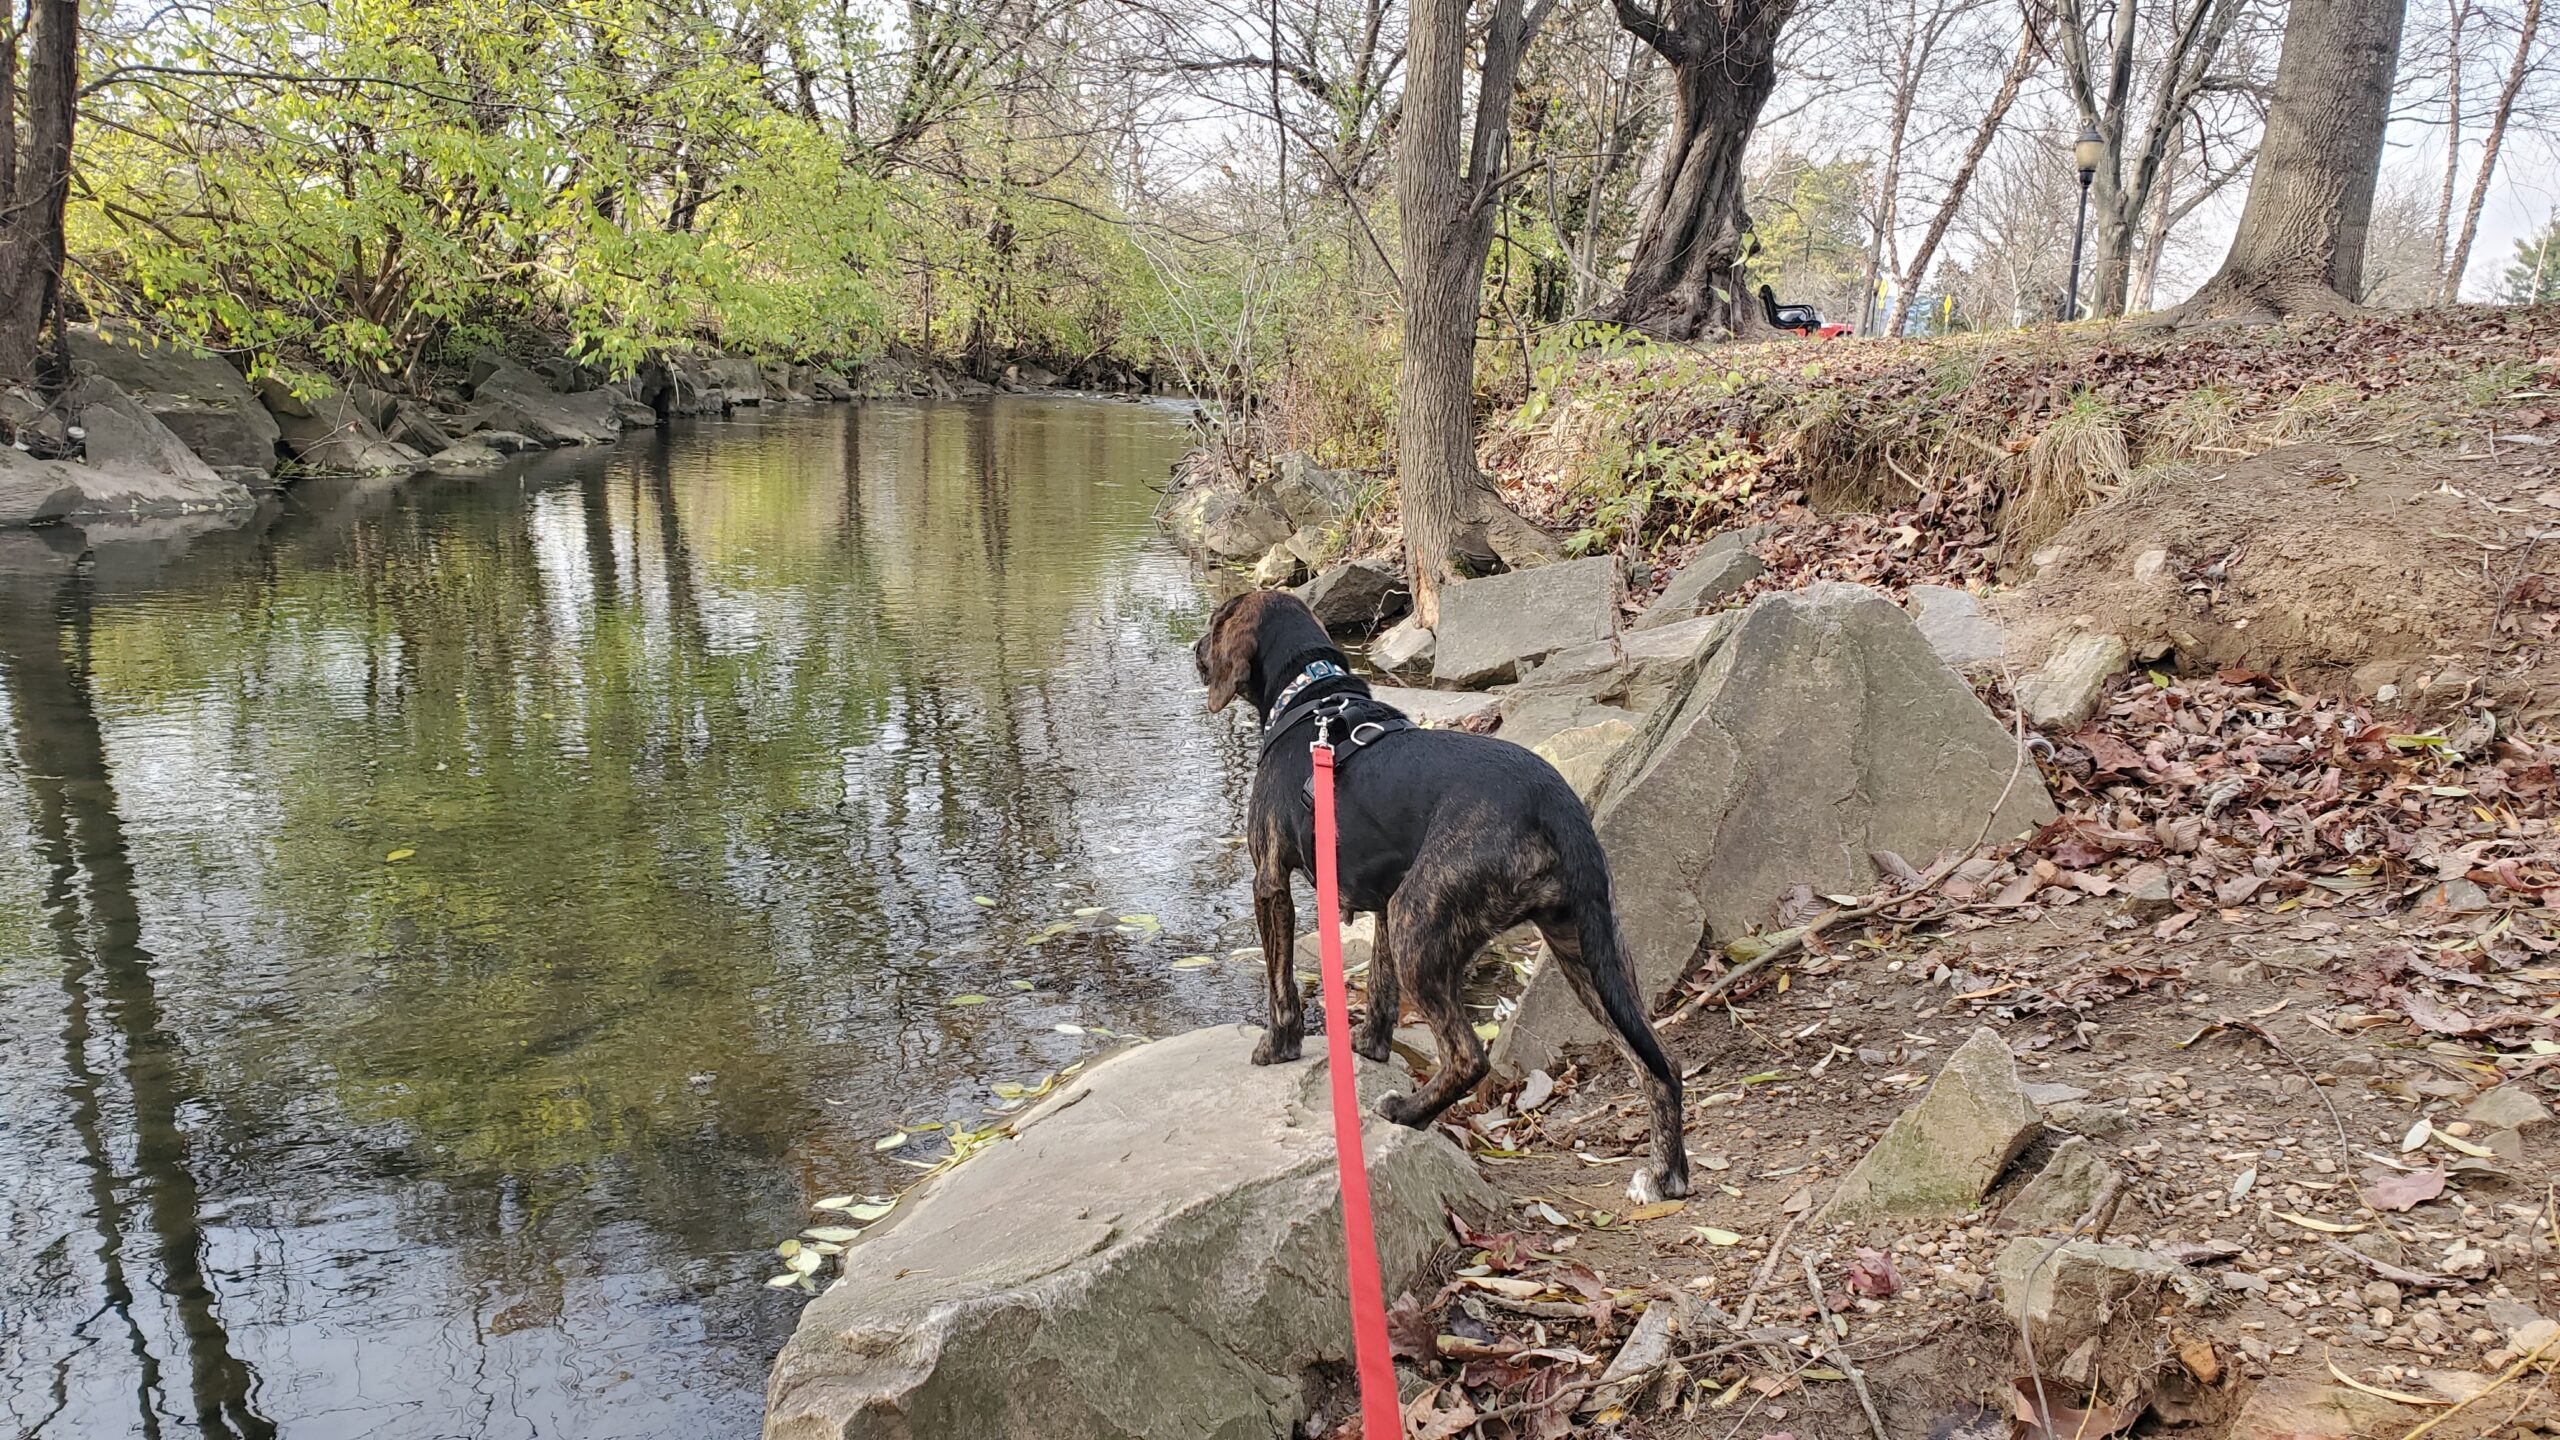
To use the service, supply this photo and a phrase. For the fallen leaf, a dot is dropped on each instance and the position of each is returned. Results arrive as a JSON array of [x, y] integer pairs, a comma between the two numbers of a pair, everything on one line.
[[892, 1140], [2399, 1396], [831, 1234], [1872, 1274], [2046, 1412], [1655, 1211], [2402, 1192], [399, 855], [966, 1000], [2323, 1226], [1714, 1236], [987, 901]]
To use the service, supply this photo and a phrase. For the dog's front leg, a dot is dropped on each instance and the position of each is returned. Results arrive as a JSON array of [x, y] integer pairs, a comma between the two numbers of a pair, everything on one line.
[[1276, 915]]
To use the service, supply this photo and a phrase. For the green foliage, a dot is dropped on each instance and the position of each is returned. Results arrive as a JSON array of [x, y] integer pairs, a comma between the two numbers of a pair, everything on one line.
[[2533, 276], [1813, 242]]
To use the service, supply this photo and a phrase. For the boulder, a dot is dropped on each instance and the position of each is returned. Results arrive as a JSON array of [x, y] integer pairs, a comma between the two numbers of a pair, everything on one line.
[[1311, 545], [33, 424], [199, 397], [1185, 515], [327, 430], [1241, 525], [1582, 753], [2313, 1410], [1954, 625], [738, 379], [1354, 598], [1818, 729], [777, 376], [507, 396], [2065, 1295], [1439, 709], [1532, 717], [1407, 645], [821, 383], [1308, 493], [1722, 566], [2507, 1107], [418, 428], [120, 434], [2064, 692], [1158, 1252], [677, 385], [1029, 375], [1490, 627], [505, 442], [33, 491], [1277, 567], [1941, 1156], [2067, 1188], [1637, 669]]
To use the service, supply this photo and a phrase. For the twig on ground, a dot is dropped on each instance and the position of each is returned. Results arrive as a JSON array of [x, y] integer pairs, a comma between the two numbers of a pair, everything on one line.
[[2522, 1364], [1794, 941], [1768, 1267], [2017, 767], [1830, 1350], [2346, 1147]]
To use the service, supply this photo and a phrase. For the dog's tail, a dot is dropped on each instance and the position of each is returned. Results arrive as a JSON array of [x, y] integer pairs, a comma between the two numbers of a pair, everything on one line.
[[1605, 959]]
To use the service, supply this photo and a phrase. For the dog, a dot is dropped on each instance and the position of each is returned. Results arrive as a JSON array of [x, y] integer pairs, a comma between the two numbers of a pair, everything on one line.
[[1449, 838]]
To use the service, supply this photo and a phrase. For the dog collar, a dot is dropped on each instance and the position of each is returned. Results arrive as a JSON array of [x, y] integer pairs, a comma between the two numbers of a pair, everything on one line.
[[1320, 670]]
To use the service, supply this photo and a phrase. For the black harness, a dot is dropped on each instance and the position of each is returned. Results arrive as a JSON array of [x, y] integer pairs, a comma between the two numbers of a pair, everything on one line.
[[1349, 717]]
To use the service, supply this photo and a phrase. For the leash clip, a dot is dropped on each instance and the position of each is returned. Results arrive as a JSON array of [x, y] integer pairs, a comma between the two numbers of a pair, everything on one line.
[[1324, 732]]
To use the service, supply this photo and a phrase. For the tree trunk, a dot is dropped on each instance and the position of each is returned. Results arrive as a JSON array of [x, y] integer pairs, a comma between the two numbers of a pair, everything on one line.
[[2457, 12], [2300, 245], [39, 115], [2029, 49], [2455, 264], [1686, 278], [1455, 524]]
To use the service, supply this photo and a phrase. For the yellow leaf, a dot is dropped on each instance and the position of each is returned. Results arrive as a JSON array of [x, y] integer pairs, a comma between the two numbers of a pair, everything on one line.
[[891, 1141], [2323, 1226], [2401, 1397], [1506, 1285], [1655, 1211], [396, 856], [1714, 1236]]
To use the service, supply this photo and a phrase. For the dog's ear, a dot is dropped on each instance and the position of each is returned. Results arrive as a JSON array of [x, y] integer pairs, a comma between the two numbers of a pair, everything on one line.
[[1225, 654]]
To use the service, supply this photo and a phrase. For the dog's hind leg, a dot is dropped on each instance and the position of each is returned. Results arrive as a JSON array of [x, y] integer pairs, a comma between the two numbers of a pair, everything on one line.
[[1583, 942], [1434, 935], [1275, 914], [1377, 1030]]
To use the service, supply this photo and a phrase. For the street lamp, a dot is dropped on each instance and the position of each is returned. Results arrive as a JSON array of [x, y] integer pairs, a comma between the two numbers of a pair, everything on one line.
[[2088, 150]]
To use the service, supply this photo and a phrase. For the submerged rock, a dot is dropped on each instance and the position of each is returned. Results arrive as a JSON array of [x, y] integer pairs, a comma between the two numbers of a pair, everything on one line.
[[1818, 729], [1158, 1253], [1941, 1156], [1492, 626]]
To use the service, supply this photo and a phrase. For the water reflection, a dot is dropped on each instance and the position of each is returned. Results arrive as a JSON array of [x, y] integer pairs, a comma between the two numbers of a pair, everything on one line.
[[699, 758]]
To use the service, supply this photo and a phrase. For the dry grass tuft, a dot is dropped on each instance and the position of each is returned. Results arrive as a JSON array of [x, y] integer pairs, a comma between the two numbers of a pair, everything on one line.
[[2079, 458], [2204, 423]]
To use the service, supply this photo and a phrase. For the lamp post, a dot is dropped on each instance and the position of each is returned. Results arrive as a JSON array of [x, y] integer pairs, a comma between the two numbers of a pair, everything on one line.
[[2088, 150]]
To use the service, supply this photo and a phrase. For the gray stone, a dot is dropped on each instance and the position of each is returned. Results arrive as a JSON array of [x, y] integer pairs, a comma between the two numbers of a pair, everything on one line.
[[2066, 1293], [678, 385], [121, 434], [1277, 567], [2096, 1119], [1359, 945], [2062, 1192], [507, 396], [1185, 515], [1307, 492], [471, 454], [1407, 645], [506, 442], [821, 383], [36, 426], [777, 382], [2148, 891], [199, 397], [1310, 545], [1582, 753], [1954, 625], [1722, 566], [1439, 709], [33, 490], [1158, 1252], [2064, 692], [2507, 1107], [1636, 670], [1821, 728], [737, 378], [1241, 525], [1492, 626], [327, 430], [418, 428], [1354, 598], [2298, 1409], [1531, 717], [1941, 1156]]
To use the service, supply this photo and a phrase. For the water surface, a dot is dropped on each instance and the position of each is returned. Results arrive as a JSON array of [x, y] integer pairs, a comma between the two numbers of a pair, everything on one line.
[[701, 759]]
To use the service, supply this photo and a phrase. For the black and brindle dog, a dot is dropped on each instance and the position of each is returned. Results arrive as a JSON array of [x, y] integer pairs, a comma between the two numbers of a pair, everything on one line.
[[1449, 838]]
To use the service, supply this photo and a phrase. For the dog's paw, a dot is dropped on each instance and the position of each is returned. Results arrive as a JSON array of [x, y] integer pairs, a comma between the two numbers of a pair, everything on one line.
[[1272, 1050], [1397, 1106], [1646, 1187], [1371, 1044]]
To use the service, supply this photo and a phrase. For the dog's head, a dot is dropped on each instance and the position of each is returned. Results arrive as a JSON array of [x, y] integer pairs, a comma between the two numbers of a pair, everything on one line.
[[1227, 650]]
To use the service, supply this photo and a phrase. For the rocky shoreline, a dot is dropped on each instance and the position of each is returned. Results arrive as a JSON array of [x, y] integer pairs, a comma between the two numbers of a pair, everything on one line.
[[148, 428]]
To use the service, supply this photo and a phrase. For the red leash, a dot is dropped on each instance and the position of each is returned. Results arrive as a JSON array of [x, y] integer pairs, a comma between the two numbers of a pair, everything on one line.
[[1380, 1416]]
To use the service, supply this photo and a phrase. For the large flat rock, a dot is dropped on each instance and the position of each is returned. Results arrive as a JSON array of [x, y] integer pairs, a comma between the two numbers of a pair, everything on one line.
[[33, 491], [1158, 1254], [507, 396], [1491, 627], [199, 397], [1817, 729]]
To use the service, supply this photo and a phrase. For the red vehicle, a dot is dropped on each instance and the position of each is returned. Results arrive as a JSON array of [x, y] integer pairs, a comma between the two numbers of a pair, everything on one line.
[[1803, 321]]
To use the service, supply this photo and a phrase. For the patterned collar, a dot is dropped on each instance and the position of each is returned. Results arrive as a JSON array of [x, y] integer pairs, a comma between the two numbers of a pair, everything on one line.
[[1319, 670]]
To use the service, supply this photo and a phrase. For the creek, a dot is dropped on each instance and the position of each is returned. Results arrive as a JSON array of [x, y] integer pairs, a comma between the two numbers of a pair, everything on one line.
[[451, 928]]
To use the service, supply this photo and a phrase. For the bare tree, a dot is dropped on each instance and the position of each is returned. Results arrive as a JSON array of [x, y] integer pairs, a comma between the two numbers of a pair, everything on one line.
[[2183, 71], [39, 96], [2301, 243], [1685, 279], [2528, 30], [2021, 65], [1451, 173]]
